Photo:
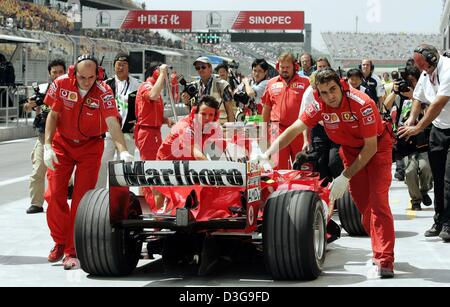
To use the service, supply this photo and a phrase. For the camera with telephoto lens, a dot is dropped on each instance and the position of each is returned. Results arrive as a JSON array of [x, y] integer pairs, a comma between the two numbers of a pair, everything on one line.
[[241, 97], [190, 88], [38, 97], [404, 85]]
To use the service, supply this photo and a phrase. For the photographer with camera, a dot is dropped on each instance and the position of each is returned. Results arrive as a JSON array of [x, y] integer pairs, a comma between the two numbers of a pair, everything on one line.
[[56, 68], [210, 86], [417, 174], [124, 88], [434, 88], [249, 93]]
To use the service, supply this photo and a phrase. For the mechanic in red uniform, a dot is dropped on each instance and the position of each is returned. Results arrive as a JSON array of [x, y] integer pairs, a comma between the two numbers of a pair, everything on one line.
[[182, 142], [149, 109], [83, 109], [281, 102], [150, 113], [351, 119]]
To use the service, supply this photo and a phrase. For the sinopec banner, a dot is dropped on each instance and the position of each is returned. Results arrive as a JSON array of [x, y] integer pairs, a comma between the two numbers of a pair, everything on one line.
[[194, 20]]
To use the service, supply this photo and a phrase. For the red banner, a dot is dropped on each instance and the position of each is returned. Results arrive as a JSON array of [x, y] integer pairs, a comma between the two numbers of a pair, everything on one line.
[[158, 20], [283, 20]]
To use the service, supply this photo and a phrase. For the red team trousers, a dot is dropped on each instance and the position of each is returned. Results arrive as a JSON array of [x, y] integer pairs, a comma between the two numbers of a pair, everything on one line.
[[86, 156], [369, 189]]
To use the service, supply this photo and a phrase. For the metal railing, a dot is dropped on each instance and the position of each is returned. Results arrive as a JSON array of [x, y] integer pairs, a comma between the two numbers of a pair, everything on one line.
[[11, 102]]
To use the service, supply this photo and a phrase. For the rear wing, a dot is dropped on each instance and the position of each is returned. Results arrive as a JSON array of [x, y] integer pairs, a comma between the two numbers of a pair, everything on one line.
[[183, 173]]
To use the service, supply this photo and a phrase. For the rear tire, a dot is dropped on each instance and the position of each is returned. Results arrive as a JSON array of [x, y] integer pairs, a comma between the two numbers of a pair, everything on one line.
[[103, 249], [294, 235], [351, 219]]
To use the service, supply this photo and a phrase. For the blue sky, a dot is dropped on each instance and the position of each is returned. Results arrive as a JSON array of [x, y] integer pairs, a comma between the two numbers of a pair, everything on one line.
[[412, 16]]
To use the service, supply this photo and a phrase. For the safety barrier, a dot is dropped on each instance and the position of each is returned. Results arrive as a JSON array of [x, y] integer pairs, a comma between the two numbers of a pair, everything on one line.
[[11, 102]]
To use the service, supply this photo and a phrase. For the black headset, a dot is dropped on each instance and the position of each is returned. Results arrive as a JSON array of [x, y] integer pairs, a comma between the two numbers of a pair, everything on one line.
[[428, 54], [100, 71], [372, 67]]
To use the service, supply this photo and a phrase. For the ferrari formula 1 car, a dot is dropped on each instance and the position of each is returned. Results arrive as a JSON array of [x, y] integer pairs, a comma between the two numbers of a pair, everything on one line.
[[284, 212]]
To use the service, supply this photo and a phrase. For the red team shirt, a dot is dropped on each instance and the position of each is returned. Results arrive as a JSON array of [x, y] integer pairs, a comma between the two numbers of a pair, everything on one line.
[[81, 118], [356, 118], [285, 99], [149, 113]]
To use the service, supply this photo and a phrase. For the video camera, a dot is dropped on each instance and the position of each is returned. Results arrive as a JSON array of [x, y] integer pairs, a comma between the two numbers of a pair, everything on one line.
[[189, 88]]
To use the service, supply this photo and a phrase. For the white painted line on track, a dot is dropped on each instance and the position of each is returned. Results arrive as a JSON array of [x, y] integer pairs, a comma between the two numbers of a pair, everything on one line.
[[15, 180]]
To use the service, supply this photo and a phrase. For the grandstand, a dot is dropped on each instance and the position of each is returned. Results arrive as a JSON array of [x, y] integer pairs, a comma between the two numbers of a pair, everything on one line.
[[385, 49]]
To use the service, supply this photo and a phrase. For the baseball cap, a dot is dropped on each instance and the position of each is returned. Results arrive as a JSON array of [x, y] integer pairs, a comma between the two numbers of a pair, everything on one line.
[[203, 59], [122, 56]]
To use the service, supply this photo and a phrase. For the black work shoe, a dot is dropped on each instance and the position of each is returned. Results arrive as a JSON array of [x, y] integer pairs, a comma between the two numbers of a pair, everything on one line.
[[69, 192], [445, 233], [34, 209], [426, 200], [415, 206], [434, 231]]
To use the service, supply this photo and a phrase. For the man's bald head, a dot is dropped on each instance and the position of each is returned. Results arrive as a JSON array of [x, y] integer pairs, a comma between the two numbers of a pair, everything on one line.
[[86, 74]]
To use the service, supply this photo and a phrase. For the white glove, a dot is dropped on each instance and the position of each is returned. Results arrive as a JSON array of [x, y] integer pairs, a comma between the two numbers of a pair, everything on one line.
[[49, 157], [126, 156], [338, 187], [264, 161]]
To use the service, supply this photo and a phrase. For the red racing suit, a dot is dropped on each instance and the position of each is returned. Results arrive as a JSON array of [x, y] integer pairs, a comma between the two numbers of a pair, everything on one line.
[[355, 119], [149, 119], [179, 145], [285, 100], [78, 141]]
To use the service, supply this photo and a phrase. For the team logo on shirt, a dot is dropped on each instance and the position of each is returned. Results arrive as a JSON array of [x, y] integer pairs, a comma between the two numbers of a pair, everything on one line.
[[348, 117], [64, 93], [330, 118], [367, 111], [109, 104], [73, 96], [312, 110], [369, 120], [52, 90], [296, 85], [92, 103]]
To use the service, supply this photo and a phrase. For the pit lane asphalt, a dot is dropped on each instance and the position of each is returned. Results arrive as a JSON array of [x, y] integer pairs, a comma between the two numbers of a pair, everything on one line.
[[25, 243]]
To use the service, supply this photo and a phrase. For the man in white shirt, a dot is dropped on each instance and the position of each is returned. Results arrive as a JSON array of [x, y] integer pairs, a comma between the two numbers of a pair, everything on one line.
[[124, 88], [434, 88]]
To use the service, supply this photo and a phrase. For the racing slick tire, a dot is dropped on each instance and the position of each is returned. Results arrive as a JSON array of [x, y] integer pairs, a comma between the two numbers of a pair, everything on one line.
[[294, 235], [104, 249], [349, 216]]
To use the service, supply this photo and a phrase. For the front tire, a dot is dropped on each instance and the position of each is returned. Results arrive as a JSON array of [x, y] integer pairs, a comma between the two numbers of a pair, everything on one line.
[[294, 235]]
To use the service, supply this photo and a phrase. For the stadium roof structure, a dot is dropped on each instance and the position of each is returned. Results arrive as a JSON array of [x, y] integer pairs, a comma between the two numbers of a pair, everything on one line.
[[109, 4], [18, 39]]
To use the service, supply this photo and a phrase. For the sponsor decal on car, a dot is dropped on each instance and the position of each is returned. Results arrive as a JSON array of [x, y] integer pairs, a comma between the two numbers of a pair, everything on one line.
[[179, 173]]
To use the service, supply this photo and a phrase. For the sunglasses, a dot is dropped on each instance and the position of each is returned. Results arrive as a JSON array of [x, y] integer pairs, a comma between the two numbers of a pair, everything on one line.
[[200, 67]]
